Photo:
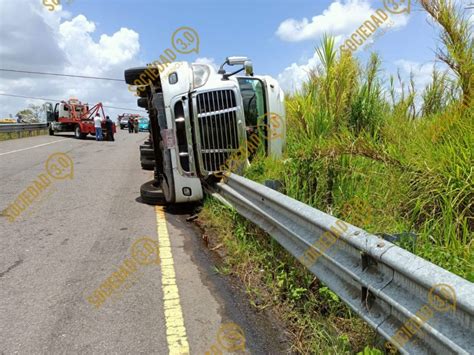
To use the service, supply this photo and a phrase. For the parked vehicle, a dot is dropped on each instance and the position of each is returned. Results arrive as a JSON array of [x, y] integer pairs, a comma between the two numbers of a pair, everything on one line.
[[200, 118], [124, 123], [143, 124], [124, 119], [73, 116]]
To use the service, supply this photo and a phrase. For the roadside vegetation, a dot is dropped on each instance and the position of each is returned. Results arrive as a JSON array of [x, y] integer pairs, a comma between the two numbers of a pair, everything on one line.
[[14, 135], [373, 152]]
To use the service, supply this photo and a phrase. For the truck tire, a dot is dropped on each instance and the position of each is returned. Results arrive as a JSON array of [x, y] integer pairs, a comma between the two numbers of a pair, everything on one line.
[[148, 164], [78, 134], [133, 74], [51, 131], [151, 194], [142, 102], [147, 153]]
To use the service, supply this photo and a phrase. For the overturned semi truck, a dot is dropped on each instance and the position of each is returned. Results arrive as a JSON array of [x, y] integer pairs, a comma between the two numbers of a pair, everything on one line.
[[201, 118]]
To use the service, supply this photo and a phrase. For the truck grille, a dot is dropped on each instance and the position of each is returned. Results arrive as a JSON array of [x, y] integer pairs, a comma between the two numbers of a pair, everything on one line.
[[218, 130]]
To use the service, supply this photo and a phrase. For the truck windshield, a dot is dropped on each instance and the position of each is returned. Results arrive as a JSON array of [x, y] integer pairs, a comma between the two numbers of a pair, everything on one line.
[[253, 97]]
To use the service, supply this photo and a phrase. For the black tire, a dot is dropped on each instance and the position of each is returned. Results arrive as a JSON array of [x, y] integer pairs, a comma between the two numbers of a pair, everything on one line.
[[78, 134], [51, 131], [148, 165], [151, 194], [133, 74], [147, 153], [142, 102]]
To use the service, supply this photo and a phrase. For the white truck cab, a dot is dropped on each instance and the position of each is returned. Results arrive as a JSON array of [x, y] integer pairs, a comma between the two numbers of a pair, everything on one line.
[[200, 117]]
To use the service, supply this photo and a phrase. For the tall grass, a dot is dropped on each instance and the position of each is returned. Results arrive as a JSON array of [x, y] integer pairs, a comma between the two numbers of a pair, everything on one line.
[[456, 37], [351, 138], [368, 154], [438, 94], [368, 105]]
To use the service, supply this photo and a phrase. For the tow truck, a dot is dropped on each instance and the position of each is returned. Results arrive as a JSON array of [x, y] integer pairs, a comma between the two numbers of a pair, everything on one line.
[[200, 118], [73, 116]]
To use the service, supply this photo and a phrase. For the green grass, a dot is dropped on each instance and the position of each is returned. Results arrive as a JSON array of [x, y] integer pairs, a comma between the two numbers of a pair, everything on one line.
[[349, 145], [316, 320], [419, 180], [367, 154]]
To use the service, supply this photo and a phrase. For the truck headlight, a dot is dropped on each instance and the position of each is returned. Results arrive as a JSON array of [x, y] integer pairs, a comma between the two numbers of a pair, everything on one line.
[[200, 75]]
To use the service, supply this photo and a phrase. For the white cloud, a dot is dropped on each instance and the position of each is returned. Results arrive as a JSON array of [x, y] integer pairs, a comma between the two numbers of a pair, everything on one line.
[[421, 72], [422, 76], [340, 20], [291, 78], [35, 39], [77, 43], [206, 60]]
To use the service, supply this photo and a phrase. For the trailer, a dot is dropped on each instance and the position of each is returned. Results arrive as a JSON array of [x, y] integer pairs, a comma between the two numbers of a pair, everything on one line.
[[73, 116]]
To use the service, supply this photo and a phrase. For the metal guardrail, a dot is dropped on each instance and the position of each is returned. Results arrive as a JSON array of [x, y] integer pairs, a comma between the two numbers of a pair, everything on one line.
[[20, 127], [385, 284]]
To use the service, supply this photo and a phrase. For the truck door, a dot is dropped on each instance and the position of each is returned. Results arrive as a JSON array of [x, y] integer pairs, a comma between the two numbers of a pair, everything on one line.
[[48, 109], [56, 112]]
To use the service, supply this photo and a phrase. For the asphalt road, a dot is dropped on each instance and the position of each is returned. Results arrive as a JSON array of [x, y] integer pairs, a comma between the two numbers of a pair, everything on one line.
[[78, 231]]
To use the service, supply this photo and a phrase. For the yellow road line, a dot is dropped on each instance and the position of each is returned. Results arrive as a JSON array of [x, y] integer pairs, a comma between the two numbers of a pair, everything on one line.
[[175, 329]]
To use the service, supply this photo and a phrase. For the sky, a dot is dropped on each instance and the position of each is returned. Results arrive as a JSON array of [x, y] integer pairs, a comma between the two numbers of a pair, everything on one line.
[[104, 37]]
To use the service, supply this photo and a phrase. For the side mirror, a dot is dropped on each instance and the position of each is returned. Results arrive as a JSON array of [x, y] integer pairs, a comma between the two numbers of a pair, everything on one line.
[[248, 65], [236, 60], [244, 61]]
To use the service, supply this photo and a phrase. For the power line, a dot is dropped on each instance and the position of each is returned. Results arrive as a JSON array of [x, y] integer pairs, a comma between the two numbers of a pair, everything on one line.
[[57, 74], [43, 99]]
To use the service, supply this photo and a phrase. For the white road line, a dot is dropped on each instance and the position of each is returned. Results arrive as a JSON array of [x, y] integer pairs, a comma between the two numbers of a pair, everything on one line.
[[36, 146]]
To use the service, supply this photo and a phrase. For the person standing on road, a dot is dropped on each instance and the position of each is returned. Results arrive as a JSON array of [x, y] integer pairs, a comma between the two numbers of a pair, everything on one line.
[[130, 125], [109, 126], [98, 127], [135, 125]]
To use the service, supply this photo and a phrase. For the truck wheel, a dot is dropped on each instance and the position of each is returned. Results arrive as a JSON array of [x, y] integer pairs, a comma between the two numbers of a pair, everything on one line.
[[148, 164], [142, 102], [133, 74], [147, 153], [51, 131], [151, 194], [78, 134]]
